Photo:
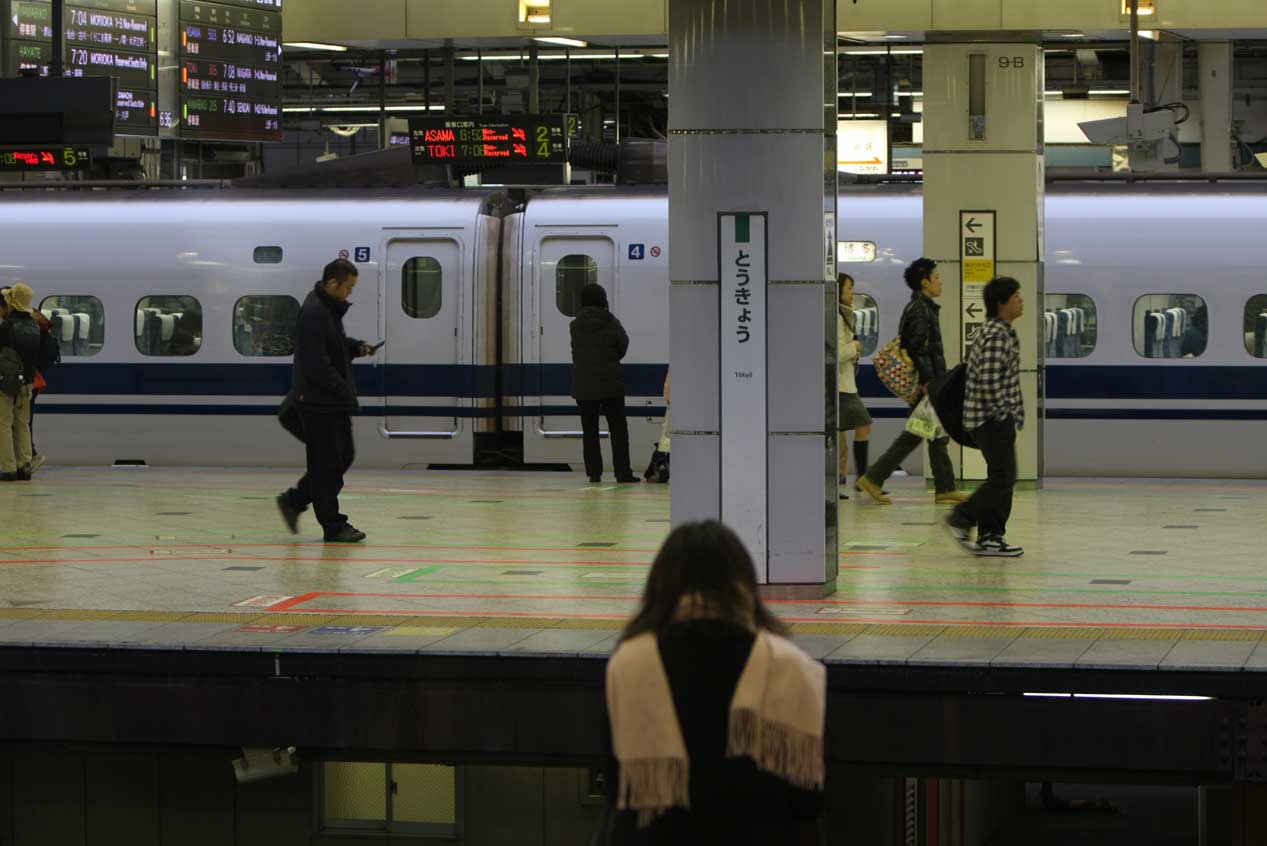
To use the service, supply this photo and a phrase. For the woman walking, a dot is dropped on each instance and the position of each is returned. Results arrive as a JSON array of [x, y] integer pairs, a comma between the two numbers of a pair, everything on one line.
[[851, 413]]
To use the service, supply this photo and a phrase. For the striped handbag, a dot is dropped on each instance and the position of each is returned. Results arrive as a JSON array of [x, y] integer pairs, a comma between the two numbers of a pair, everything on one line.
[[896, 372]]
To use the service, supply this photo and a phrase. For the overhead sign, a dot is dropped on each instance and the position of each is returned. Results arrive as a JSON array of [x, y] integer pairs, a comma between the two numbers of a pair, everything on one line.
[[862, 146], [976, 262], [44, 158], [505, 139], [742, 314]]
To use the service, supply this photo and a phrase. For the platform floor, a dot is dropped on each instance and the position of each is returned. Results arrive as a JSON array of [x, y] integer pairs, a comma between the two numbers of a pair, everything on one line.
[[1142, 573]]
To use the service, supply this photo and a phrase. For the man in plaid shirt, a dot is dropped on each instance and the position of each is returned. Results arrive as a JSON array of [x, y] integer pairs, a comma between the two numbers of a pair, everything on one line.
[[992, 412]]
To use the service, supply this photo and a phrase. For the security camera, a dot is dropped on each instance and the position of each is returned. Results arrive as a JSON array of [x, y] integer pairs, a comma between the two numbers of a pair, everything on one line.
[[1138, 127], [261, 762]]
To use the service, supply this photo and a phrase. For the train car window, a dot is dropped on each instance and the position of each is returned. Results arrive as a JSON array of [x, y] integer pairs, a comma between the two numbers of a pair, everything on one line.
[[1256, 326], [421, 291], [571, 275], [1170, 326], [265, 325], [851, 252], [268, 255], [1070, 325], [168, 325], [78, 323], [866, 322]]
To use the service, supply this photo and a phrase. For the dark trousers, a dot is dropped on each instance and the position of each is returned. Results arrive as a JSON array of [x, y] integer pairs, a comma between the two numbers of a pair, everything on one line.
[[906, 443], [614, 409], [991, 504], [328, 440], [31, 420]]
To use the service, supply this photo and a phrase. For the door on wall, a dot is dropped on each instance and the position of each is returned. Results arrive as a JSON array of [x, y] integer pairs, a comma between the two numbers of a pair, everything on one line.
[[422, 305], [565, 264]]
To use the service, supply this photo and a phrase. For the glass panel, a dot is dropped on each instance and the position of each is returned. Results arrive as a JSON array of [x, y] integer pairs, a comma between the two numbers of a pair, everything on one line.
[[79, 323], [265, 325], [571, 275], [168, 325], [354, 793], [1069, 325], [420, 287], [1170, 326], [854, 251], [268, 255], [1256, 326], [425, 793], [866, 322]]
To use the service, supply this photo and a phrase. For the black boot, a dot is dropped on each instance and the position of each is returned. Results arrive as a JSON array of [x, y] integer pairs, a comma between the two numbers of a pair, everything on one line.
[[860, 456]]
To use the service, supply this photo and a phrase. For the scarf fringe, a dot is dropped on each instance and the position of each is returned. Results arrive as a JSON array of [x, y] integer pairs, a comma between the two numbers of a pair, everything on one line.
[[792, 755], [652, 786]]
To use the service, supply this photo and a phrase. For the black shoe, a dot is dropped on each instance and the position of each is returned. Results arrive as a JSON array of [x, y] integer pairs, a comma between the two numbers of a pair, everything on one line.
[[23, 474], [289, 513], [8, 477], [627, 480], [594, 480], [347, 533], [994, 545]]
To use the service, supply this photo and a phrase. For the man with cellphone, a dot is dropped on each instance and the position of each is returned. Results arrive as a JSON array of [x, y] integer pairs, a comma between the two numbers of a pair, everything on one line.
[[318, 410]]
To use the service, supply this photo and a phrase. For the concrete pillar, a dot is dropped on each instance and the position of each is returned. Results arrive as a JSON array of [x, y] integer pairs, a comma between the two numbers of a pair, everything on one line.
[[1215, 60], [752, 201], [983, 204]]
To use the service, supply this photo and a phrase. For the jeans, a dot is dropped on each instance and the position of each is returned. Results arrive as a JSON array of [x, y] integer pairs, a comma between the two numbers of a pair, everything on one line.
[[991, 504], [906, 443], [328, 439], [614, 409]]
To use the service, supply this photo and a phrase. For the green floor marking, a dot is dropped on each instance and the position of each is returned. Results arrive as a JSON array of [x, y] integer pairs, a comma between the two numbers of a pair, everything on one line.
[[417, 574]]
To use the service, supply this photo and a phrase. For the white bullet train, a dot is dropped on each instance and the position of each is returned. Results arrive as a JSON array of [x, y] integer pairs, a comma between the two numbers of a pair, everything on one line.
[[175, 309]]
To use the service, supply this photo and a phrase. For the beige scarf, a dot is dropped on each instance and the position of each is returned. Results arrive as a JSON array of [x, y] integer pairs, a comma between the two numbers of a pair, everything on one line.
[[776, 719]]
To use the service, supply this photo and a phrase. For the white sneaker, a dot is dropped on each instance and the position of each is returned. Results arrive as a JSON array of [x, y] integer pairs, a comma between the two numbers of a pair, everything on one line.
[[996, 546], [37, 461], [963, 537]]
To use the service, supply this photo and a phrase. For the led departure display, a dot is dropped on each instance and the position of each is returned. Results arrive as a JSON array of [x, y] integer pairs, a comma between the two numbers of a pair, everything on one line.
[[506, 139], [135, 70], [44, 159], [230, 68], [95, 28]]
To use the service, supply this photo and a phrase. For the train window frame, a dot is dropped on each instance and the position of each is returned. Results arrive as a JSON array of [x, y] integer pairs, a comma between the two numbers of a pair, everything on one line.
[[268, 254], [1249, 331], [1093, 319], [410, 297], [97, 325], [563, 284], [1142, 351], [149, 330], [237, 325]]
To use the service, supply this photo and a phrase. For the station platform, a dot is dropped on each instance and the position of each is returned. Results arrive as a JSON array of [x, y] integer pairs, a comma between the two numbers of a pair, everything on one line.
[[508, 589]]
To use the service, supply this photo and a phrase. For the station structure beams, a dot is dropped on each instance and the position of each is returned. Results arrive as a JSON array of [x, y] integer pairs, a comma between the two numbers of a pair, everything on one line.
[[983, 203], [752, 198]]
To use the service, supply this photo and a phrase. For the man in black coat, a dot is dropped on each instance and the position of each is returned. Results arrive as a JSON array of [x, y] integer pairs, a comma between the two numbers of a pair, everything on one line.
[[318, 409], [18, 332], [599, 343]]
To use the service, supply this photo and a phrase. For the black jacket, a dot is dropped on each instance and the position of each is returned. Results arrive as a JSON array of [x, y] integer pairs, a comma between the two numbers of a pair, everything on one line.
[[322, 380], [921, 337], [599, 343], [20, 331]]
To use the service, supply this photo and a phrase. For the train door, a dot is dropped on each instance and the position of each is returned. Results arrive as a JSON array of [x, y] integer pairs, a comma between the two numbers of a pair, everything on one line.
[[564, 264], [422, 309]]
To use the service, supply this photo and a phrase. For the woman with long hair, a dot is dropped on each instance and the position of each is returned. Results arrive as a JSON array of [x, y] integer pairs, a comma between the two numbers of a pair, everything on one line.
[[851, 413], [716, 718]]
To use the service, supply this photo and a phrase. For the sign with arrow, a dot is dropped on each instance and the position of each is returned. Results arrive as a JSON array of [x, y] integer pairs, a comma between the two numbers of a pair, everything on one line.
[[976, 261], [862, 146]]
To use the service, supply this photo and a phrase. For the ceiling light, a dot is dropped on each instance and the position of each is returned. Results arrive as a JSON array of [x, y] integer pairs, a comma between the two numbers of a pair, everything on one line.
[[313, 45], [1110, 91], [1072, 35], [562, 42], [895, 36], [881, 51]]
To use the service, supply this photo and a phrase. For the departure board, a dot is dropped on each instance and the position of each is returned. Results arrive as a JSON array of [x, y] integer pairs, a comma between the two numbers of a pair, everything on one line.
[[44, 159], [500, 139], [230, 70]]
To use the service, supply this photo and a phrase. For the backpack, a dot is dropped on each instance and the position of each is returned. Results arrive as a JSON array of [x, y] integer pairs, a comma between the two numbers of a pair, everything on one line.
[[658, 469], [12, 372], [50, 352], [946, 393]]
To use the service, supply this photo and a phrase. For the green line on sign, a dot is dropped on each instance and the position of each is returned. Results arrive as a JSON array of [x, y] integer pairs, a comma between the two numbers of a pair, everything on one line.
[[742, 229]]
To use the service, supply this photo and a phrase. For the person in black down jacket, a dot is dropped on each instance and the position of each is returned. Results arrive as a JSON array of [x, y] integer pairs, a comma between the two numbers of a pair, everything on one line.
[[318, 409], [23, 335], [599, 343], [920, 330]]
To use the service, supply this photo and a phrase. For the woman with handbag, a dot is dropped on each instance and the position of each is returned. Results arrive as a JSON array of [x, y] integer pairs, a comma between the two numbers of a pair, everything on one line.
[[851, 414], [920, 336]]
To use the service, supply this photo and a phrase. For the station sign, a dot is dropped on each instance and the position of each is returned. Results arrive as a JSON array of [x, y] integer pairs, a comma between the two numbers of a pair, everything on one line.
[[492, 139], [976, 264], [35, 159], [862, 146], [742, 335]]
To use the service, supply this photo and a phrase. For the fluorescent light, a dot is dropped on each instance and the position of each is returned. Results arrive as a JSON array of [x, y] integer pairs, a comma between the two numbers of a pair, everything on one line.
[[880, 51], [391, 107], [1157, 697], [895, 36], [296, 108], [562, 42], [313, 45], [1117, 91], [548, 57], [1072, 35], [858, 115]]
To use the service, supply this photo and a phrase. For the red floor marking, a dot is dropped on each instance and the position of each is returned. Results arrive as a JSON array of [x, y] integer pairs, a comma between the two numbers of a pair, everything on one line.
[[1078, 606], [322, 545], [296, 560]]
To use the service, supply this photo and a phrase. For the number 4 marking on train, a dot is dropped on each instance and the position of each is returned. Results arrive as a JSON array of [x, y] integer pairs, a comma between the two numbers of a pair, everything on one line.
[[637, 251]]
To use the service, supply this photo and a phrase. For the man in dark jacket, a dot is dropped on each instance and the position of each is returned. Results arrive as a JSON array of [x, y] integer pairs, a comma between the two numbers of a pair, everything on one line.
[[318, 409], [20, 334], [599, 343], [920, 330]]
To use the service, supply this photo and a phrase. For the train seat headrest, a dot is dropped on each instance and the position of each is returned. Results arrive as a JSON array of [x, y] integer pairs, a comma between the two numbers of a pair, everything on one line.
[[168, 322], [83, 322], [65, 325]]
